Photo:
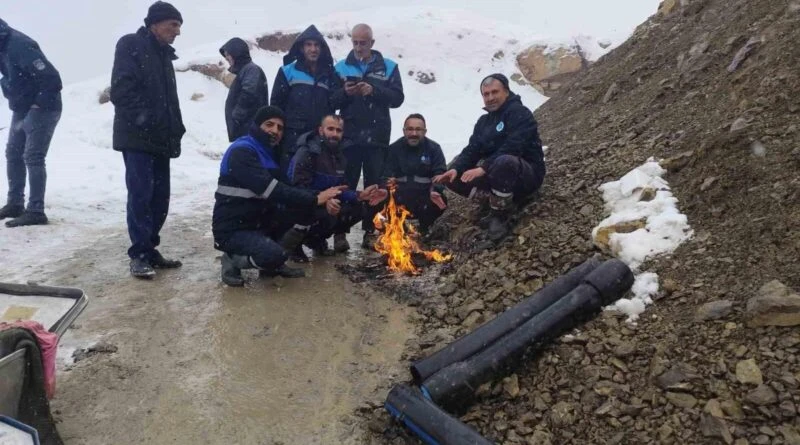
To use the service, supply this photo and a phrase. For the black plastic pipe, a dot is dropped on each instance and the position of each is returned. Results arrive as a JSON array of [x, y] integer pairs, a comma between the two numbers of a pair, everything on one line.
[[488, 333], [453, 387], [429, 422]]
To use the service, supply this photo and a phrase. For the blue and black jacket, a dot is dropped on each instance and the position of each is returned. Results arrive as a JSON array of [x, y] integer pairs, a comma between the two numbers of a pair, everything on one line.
[[415, 167], [251, 185], [366, 118], [302, 95], [28, 77], [317, 167]]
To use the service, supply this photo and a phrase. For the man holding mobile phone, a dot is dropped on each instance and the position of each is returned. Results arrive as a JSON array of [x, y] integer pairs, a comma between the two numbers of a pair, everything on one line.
[[372, 85]]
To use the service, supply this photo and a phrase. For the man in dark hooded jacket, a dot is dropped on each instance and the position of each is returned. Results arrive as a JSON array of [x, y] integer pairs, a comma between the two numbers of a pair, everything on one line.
[[503, 162], [303, 87], [254, 204], [247, 93], [148, 128], [33, 89]]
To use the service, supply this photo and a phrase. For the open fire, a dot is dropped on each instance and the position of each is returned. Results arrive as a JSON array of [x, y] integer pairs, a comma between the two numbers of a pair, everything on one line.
[[398, 240]]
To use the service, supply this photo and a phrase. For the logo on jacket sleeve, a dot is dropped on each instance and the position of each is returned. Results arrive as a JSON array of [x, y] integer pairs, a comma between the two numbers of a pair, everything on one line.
[[39, 64], [500, 126]]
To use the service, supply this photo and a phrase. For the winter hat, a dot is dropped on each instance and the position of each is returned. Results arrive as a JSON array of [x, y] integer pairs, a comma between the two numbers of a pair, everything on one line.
[[161, 11], [267, 113], [498, 77]]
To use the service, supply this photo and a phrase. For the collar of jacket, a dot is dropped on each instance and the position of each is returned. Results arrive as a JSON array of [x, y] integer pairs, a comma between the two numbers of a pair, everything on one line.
[[163, 47], [375, 59], [315, 143], [239, 63], [423, 144], [264, 141], [512, 97]]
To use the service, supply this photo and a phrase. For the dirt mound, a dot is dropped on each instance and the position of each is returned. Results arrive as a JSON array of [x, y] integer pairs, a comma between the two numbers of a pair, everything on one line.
[[713, 86]]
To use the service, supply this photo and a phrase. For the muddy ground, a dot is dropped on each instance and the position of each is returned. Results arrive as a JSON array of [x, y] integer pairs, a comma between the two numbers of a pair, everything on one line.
[[279, 361]]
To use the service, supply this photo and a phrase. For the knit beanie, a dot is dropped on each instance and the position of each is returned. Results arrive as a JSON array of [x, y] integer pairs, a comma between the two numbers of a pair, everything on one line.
[[267, 113], [161, 11]]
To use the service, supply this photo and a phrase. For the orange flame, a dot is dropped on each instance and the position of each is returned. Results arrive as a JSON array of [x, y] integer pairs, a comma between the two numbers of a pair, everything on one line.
[[398, 240]]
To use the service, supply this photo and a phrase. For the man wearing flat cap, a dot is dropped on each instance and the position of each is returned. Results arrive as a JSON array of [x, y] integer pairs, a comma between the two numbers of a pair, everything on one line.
[[148, 128], [503, 163]]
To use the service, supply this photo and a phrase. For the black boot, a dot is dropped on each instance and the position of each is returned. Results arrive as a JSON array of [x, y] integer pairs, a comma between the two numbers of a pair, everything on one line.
[[11, 211], [292, 243], [283, 271], [319, 246], [28, 219], [340, 243], [159, 262], [232, 266], [141, 268], [498, 224]]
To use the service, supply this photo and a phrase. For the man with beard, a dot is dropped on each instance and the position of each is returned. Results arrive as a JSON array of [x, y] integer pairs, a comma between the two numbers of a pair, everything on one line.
[[248, 92], [411, 164], [247, 218], [303, 87], [320, 164], [148, 128], [503, 162], [372, 86]]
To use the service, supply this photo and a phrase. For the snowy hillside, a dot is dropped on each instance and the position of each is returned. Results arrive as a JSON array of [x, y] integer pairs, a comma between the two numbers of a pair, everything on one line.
[[86, 188]]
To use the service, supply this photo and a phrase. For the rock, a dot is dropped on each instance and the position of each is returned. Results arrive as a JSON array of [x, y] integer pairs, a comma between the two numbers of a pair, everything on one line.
[[587, 210], [732, 409], [511, 386], [788, 409], [539, 437], [625, 349], [747, 371], [610, 93], [762, 396], [681, 400], [601, 236], [277, 41], [519, 79], [670, 286], [714, 310], [665, 432], [648, 194], [464, 311], [790, 434], [425, 78], [472, 320], [216, 71], [714, 408], [562, 415], [711, 426], [773, 305], [667, 7], [677, 162], [707, 183], [548, 67], [448, 289], [743, 53], [675, 376], [738, 124], [197, 96]]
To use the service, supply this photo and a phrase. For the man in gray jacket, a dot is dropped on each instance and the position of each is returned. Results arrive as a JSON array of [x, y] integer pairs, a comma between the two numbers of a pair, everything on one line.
[[248, 91]]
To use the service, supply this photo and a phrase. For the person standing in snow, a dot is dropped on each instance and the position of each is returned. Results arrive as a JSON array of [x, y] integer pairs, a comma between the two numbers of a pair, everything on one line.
[[32, 86], [148, 128], [411, 164], [372, 85], [503, 162], [247, 93], [253, 204], [303, 87]]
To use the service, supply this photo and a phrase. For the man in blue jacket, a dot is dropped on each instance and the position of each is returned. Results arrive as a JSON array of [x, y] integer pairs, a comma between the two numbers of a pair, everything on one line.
[[148, 128], [413, 161], [503, 162], [251, 201], [372, 85], [303, 87], [248, 92], [33, 89], [320, 164]]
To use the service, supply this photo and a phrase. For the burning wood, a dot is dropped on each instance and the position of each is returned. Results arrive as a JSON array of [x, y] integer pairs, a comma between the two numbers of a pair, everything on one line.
[[398, 240]]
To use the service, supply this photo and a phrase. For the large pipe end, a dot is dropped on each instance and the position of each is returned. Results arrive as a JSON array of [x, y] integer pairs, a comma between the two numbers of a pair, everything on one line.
[[611, 280]]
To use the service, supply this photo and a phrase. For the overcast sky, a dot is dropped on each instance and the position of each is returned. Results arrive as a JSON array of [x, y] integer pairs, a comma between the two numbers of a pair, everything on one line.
[[78, 36]]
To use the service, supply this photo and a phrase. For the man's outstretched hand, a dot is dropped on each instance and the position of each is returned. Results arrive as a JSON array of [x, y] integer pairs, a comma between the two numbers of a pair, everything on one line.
[[446, 177], [328, 194], [333, 207], [378, 197], [472, 174], [437, 199]]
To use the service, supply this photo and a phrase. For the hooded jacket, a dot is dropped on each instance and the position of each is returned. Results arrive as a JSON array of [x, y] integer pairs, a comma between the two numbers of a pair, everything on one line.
[[28, 77], [251, 186], [305, 96], [366, 118], [510, 130], [247, 93], [147, 113], [316, 166]]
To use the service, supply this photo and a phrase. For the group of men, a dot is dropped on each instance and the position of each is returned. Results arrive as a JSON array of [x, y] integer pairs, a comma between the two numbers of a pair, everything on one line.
[[291, 174]]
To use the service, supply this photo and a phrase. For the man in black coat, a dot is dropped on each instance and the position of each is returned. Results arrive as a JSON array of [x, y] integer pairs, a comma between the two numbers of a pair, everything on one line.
[[411, 164], [303, 87], [372, 85], [503, 162], [254, 205], [33, 89], [148, 128], [247, 93]]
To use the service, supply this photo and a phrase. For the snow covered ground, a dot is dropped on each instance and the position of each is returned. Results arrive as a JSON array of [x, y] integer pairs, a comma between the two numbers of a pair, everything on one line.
[[86, 187]]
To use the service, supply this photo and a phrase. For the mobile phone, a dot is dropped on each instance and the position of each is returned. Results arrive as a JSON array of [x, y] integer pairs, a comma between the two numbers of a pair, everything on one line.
[[353, 79]]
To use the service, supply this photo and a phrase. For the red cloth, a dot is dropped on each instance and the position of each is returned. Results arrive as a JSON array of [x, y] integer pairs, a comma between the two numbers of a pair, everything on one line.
[[48, 345]]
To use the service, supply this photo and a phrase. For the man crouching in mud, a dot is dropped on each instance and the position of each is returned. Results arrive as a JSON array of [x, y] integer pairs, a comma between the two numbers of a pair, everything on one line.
[[251, 198], [503, 163]]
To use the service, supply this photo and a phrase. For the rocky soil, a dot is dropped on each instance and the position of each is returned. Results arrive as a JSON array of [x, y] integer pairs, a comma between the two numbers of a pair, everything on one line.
[[712, 87]]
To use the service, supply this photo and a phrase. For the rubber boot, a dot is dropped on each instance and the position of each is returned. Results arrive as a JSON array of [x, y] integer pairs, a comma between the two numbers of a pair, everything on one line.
[[292, 243], [340, 244], [28, 219], [498, 225], [283, 271], [232, 266]]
